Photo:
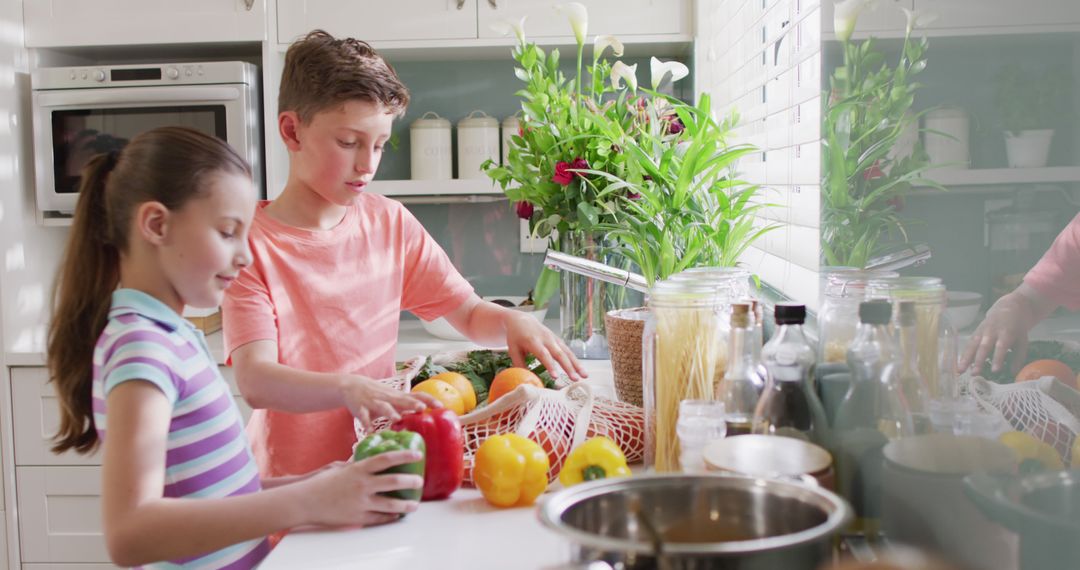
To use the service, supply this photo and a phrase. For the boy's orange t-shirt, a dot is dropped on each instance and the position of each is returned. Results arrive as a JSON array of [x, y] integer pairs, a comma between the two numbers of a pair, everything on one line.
[[331, 301]]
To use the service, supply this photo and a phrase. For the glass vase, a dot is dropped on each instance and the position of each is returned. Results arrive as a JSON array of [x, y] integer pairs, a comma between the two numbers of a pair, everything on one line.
[[585, 301]]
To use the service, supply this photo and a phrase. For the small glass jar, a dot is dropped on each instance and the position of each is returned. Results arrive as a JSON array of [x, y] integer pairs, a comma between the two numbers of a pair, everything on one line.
[[843, 288], [700, 423], [935, 338], [680, 356]]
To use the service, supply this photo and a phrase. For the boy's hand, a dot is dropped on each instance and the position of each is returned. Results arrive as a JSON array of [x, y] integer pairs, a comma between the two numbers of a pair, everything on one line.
[[369, 399], [526, 335], [348, 494]]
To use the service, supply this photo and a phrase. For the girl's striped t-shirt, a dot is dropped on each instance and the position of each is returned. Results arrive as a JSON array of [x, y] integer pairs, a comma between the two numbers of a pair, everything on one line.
[[208, 455]]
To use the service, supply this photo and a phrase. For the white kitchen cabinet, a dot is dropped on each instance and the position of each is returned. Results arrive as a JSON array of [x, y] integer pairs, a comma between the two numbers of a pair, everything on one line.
[[963, 16], [620, 18], [378, 21], [59, 23], [36, 417], [60, 514]]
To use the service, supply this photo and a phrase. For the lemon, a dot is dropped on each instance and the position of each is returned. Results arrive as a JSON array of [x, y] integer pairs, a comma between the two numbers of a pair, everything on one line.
[[462, 385], [1027, 447], [443, 392]]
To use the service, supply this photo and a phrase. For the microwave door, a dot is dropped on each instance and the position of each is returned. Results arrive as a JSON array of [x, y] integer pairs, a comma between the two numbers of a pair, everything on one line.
[[71, 126]]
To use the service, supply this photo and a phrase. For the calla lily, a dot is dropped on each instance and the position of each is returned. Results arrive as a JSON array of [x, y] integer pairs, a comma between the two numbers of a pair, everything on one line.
[[504, 27], [601, 43], [917, 19], [845, 15], [579, 18], [661, 68], [621, 72]]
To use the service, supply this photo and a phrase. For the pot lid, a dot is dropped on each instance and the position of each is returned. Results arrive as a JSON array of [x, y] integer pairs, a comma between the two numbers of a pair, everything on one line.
[[765, 456], [430, 120], [948, 454], [478, 119]]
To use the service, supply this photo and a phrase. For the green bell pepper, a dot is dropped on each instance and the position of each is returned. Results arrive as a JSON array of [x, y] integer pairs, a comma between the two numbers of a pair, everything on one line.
[[389, 440]]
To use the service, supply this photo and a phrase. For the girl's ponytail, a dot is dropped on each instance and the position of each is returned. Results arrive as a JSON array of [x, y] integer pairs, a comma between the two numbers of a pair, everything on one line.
[[89, 273]]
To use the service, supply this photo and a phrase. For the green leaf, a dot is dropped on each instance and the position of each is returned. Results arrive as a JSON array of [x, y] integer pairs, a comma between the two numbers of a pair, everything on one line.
[[546, 285]]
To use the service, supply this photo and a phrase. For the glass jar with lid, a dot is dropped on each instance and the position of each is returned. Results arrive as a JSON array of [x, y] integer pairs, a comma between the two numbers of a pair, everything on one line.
[[842, 289], [732, 283], [681, 353], [935, 339]]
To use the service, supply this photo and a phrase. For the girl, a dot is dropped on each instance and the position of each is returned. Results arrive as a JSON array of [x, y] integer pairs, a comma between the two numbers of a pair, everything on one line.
[[162, 225]]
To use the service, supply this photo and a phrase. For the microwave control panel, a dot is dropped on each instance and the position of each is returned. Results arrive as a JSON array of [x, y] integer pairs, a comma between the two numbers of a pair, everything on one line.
[[204, 73]]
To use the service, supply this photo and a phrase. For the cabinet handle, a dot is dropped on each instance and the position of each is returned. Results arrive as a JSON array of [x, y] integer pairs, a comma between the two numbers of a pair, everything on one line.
[[460, 4], [249, 4]]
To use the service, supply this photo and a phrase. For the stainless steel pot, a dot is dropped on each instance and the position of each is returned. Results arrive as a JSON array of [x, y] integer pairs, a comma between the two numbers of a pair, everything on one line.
[[684, 522], [1043, 508]]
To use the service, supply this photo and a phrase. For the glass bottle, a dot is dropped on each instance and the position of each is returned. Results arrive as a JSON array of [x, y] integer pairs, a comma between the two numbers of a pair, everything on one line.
[[907, 373], [738, 390], [871, 414], [935, 340], [842, 289], [789, 406], [757, 316], [680, 355]]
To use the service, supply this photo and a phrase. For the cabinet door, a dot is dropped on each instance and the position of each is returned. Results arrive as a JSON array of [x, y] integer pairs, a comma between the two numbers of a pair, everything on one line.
[[962, 15], [36, 417], [615, 17], [60, 514], [52, 23], [886, 20], [378, 21]]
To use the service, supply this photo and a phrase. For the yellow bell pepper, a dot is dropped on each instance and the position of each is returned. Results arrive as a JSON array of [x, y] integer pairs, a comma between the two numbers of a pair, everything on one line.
[[596, 458], [510, 470]]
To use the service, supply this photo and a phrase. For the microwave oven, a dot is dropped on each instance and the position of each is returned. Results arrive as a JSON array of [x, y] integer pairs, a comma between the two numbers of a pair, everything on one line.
[[83, 111]]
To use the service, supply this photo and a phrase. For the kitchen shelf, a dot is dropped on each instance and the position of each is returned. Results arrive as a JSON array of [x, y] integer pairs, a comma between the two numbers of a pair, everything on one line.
[[997, 179]]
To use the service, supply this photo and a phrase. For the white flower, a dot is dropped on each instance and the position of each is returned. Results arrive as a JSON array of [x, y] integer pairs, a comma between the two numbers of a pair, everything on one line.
[[621, 72], [504, 27], [661, 68], [845, 15], [579, 18], [917, 19], [601, 43]]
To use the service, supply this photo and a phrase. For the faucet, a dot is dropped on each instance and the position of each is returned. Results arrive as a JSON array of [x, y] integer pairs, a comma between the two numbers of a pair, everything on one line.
[[558, 261], [906, 256]]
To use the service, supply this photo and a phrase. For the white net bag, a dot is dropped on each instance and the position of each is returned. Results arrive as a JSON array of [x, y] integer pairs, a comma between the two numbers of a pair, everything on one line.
[[1044, 408], [557, 419]]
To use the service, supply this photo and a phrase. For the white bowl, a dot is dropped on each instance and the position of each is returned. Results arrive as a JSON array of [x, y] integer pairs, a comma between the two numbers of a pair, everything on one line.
[[441, 327], [963, 308]]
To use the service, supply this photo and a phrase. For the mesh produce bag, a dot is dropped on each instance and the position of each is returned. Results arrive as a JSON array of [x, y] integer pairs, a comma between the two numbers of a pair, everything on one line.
[[558, 419], [1045, 408]]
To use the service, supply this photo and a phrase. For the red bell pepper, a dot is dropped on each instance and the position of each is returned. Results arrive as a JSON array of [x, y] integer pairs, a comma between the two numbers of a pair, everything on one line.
[[445, 442]]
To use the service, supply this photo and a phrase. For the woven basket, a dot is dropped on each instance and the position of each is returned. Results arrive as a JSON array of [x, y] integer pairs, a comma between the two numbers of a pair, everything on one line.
[[624, 329]]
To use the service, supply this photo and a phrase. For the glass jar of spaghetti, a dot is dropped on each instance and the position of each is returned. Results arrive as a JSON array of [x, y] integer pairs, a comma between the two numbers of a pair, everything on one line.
[[681, 352], [842, 289]]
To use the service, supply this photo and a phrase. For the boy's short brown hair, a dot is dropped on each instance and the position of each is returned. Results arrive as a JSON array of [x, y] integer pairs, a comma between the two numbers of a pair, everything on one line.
[[322, 71]]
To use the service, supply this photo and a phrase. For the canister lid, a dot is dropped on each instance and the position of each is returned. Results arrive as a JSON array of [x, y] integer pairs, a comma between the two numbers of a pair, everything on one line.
[[765, 456], [478, 120], [947, 112], [430, 120], [511, 122]]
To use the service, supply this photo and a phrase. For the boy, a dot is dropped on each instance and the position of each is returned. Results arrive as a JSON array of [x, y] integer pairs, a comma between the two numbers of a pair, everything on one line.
[[314, 319]]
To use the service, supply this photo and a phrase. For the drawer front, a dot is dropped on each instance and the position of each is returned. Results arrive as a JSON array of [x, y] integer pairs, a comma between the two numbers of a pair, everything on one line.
[[60, 514], [36, 417]]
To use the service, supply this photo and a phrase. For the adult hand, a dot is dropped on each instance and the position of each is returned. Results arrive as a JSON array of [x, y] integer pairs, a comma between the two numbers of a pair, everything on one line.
[[348, 494], [1005, 327], [526, 335], [369, 399]]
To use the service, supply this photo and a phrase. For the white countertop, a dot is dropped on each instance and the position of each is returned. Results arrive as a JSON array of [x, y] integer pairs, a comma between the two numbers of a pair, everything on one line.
[[460, 532]]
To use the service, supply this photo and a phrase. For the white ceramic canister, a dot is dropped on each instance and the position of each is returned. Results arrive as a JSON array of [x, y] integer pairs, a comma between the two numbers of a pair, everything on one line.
[[952, 152], [429, 137], [478, 141], [510, 126]]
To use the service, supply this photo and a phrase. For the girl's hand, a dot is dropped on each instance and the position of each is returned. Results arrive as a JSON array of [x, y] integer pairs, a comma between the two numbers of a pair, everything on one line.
[[526, 335], [369, 399], [1005, 328], [347, 494]]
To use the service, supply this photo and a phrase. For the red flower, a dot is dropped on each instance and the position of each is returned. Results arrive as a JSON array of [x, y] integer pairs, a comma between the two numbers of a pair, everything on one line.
[[897, 202], [676, 126], [874, 172], [633, 195], [561, 175], [524, 210], [580, 164], [521, 131]]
